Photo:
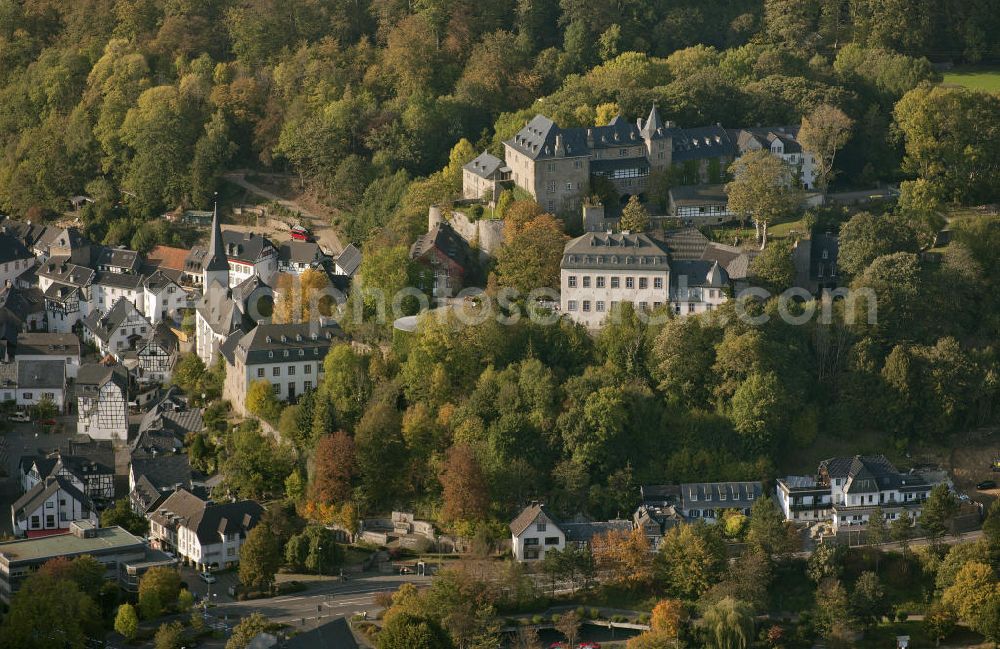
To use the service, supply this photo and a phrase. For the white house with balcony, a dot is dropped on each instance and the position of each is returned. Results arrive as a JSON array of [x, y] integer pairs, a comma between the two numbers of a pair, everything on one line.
[[847, 490], [203, 533]]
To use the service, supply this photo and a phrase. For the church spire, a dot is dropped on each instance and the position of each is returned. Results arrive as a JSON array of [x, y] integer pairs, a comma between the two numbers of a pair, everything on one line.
[[217, 260]]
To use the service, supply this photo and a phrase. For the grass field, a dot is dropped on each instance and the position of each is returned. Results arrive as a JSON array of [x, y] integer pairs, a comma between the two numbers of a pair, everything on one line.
[[976, 78]]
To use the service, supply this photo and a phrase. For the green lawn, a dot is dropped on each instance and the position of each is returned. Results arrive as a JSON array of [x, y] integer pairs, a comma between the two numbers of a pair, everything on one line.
[[976, 78]]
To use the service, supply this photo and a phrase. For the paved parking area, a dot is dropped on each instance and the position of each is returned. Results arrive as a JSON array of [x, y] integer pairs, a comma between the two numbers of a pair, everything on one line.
[[219, 590]]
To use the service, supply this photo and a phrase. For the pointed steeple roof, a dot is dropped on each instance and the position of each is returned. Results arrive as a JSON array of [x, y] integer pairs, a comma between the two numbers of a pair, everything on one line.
[[653, 123], [217, 259]]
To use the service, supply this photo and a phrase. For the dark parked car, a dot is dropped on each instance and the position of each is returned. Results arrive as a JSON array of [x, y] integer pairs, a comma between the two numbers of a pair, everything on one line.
[[986, 484]]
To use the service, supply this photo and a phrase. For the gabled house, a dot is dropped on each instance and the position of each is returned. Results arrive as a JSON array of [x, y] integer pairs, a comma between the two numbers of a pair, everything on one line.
[[49, 507], [484, 178], [124, 328], [158, 354], [94, 478], [203, 533], [299, 256], [15, 258], [163, 298], [847, 490], [41, 381], [102, 402], [66, 287], [348, 261], [446, 256], [249, 254], [40, 346], [117, 260], [535, 531], [21, 309]]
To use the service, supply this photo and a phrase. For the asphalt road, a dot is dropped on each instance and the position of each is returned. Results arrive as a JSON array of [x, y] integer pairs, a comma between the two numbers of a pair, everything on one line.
[[319, 603]]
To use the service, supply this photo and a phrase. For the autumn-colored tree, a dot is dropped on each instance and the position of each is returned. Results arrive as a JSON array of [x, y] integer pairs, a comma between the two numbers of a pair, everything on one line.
[[158, 588], [667, 617], [299, 298], [519, 213], [823, 133], [568, 625], [463, 485], [333, 469], [127, 621], [690, 559], [623, 555], [975, 586], [261, 401], [530, 256], [635, 217]]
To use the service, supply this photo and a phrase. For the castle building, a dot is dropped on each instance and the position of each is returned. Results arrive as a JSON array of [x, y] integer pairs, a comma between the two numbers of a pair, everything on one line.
[[555, 165]]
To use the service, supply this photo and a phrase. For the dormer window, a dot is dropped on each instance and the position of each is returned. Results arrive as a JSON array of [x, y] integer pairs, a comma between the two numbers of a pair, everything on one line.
[[268, 339]]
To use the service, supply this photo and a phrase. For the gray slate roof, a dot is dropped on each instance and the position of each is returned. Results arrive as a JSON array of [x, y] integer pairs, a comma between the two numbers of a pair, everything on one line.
[[103, 325], [91, 376], [332, 635], [299, 252], [37, 495], [208, 520], [48, 344], [267, 343], [119, 258], [699, 273], [349, 259], [600, 251], [485, 165], [687, 195], [41, 375], [710, 494], [244, 246], [61, 270], [11, 248]]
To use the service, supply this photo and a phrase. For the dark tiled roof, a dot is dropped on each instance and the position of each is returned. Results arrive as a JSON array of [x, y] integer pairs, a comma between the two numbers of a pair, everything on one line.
[[119, 258], [485, 165], [267, 343], [442, 237], [21, 303], [699, 195], [299, 252], [91, 376], [332, 635], [120, 280], [245, 246], [11, 248], [538, 139], [103, 325], [47, 344], [37, 495], [598, 250], [349, 259], [216, 246], [699, 273], [41, 374], [584, 532], [59, 292], [60, 269], [208, 520], [737, 494], [701, 143]]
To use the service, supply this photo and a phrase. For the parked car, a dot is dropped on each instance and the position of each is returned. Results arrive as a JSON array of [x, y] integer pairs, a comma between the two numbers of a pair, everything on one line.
[[299, 233], [19, 416], [207, 577], [589, 645], [986, 484]]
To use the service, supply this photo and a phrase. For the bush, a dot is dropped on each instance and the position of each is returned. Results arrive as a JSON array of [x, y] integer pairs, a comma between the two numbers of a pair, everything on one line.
[[537, 619], [595, 613], [555, 618], [643, 619], [901, 615], [619, 618]]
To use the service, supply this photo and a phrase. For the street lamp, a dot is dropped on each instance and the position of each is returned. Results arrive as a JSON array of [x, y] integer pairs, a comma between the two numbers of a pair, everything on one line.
[[319, 548]]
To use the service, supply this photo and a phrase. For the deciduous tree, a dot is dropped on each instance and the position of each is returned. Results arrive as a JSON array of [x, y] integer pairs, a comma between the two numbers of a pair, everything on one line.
[[823, 133], [260, 558], [464, 488], [761, 190]]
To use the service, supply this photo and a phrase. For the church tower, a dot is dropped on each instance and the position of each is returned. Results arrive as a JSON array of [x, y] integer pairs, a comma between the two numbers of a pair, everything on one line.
[[216, 266]]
